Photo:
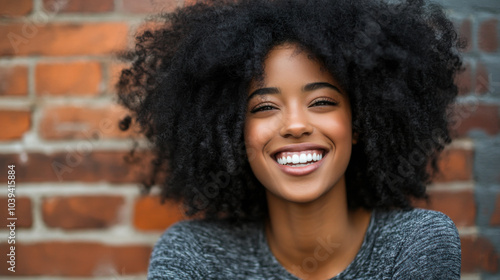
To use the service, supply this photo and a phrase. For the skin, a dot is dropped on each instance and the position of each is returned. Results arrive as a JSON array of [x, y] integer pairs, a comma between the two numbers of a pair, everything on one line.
[[310, 231]]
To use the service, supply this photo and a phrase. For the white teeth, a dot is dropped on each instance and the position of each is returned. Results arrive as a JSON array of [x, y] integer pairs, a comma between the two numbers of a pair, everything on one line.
[[299, 159], [303, 158]]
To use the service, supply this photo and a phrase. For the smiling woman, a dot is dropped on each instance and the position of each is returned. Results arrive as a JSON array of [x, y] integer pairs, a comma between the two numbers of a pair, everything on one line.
[[298, 127], [288, 127], [299, 112]]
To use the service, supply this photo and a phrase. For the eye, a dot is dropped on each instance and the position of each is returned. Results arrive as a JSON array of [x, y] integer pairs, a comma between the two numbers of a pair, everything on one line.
[[323, 102], [262, 107]]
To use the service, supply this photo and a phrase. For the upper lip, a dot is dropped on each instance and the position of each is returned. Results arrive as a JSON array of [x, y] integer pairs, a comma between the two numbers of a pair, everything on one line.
[[299, 148]]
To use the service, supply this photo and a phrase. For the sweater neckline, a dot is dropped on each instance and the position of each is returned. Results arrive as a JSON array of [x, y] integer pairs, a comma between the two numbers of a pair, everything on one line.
[[269, 259]]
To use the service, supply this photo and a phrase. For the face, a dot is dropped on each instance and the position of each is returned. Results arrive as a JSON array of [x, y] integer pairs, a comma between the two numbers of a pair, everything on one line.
[[298, 132]]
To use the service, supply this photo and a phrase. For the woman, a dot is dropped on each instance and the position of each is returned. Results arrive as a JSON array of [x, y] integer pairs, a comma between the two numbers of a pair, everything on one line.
[[298, 133]]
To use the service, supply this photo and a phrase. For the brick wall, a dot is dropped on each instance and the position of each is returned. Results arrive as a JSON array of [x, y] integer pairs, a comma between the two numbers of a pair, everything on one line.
[[80, 212]]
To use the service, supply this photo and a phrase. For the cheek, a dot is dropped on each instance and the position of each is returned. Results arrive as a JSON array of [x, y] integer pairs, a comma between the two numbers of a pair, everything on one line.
[[252, 139], [258, 132], [337, 127], [343, 131]]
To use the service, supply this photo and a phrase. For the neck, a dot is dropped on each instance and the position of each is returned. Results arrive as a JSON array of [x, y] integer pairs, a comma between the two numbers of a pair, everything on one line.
[[305, 237]]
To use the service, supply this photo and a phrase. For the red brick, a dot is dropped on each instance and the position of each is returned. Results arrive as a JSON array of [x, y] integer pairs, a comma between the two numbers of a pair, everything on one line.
[[80, 6], [71, 122], [495, 217], [81, 165], [76, 259], [482, 79], [464, 80], [150, 214], [62, 39], [81, 212], [12, 8], [487, 35], [478, 255], [465, 32], [455, 165], [151, 6], [14, 81], [468, 117], [14, 124], [459, 206], [73, 78], [23, 211]]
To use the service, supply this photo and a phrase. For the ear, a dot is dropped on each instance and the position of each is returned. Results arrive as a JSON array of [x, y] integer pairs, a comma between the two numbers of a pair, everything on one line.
[[355, 136]]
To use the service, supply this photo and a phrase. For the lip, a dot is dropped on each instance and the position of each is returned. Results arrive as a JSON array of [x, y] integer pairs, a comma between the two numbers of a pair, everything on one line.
[[302, 170]]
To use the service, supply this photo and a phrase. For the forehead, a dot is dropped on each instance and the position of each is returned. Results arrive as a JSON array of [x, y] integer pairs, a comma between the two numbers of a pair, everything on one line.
[[289, 64]]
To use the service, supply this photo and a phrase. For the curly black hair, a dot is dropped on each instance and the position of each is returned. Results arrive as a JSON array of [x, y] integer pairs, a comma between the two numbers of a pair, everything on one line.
[[189, 79]]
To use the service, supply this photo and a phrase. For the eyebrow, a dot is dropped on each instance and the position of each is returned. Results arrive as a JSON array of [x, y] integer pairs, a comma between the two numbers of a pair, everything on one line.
[[308, 87], [263, 91], [315, 86]]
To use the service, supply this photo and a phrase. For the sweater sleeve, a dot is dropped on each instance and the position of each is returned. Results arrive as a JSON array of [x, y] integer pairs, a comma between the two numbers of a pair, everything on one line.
[[177, 255], [430, 250]]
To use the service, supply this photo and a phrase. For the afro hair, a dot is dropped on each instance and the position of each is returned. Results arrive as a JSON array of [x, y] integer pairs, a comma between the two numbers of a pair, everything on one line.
[[189, 78]]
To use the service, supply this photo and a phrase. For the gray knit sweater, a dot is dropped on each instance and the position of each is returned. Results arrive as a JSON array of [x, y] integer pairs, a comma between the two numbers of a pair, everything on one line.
[[416, 244]]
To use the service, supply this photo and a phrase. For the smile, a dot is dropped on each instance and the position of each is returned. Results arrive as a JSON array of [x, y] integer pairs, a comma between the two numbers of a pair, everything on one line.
[[299, 158]]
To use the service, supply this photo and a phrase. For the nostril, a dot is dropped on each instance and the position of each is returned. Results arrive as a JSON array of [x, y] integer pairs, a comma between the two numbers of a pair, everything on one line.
[[296, 130]]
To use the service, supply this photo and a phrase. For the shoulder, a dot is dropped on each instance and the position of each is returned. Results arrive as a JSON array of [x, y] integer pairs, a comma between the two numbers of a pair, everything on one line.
[[205, 232], [410, 222], [428, 244], [176, 252], [418, 227], [192, 249]]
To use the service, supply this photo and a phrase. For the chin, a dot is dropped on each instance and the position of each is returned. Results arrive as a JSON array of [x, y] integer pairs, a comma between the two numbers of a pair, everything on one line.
[[300, 193]]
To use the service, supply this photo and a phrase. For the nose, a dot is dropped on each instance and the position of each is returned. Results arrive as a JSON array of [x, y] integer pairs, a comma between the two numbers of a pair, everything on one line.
[[295, 124]]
